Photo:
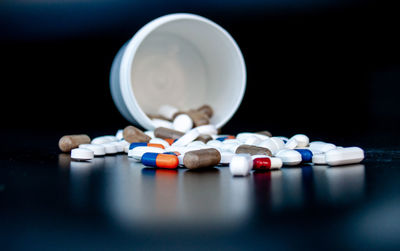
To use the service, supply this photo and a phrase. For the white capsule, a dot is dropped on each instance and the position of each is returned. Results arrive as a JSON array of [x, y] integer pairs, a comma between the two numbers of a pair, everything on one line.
[[215, 143], [289, 157], [291, 144], [226, 157], [196, 143], [180, 149], [167, 111], [243, 136], [137, 152], [232, 141], [207, 129], [82, 154], [282, 138], [98, 150], [319, 158], [322, 147], [103, 139], [270, 145], [279, 142], [252, 140], [302, 140], [160, 141], [344, 156], [241, 164], [150, 134], [187, 138], [182, 123], [120, 134], [161, 123], [110, 148]]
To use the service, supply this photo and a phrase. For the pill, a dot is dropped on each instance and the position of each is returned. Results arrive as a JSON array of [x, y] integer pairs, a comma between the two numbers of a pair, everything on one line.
[[321, 147], [253, 140], [167, 133], [167, 111], [160, 160], [199, 118], [138, 144], [226, 157], [319, 158], [302, 140], [160, 141], [120, 134], [306, 155], [133, 134], [289, 157], [182, 123], [270, 145], [266, 163], [104, 139], [187, 138], [196, 143], [119, 145], [266, 133], [284, 139], [253, 150], [98, 150], [162, 123], [240, 165], [82, 154], [291, 144], [279, 142], [204, 137], [170, 141], [110, 148], [344, 156], [156, 116], [207, 129], [137, 152], [201, 158], [215, 143], [244, 135], [206, 109], [150, 134], [69, 142]]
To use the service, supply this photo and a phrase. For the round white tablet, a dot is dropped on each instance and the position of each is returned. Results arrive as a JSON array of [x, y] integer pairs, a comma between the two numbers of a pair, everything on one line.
[[182, 123], [98, 150], [82, 154]]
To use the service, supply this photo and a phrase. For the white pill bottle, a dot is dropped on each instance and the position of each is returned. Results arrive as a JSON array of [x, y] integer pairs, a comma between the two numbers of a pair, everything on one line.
[[183, 60]]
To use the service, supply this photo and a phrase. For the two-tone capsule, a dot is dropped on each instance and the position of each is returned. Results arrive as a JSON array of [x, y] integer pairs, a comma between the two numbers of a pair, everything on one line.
[[306, 155], [264, 163], [222, 138], [160, 160], [137, 144]]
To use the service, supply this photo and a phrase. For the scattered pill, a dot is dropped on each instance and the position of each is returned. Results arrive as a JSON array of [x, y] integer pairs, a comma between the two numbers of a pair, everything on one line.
[[104, 139], [120, 134], [270, 145], [182, 123], [291, 143], [206, 109], [302, 140], [167, 111], [319, 159], [201, 158], [266, 163], [226, 157], [253, 140], [139, 144], [162, 123], [253, 150], [322, 147], [160, 160], [133, 134], [110, 148], [289, 157], [196, 143], [207, 129], [98, 150], [187, 138], [344, 156], [167, 133], [82, 154], [199, 118], [306, 155], [204, 137], [137, 152], [69, 142], [160, 141], [240, 165], [266, 133]]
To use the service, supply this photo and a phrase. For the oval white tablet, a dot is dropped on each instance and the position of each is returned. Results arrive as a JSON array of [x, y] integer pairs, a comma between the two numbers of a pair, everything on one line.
[[103, 139], [187, 138], [344, 156], [289, 157], [110, 148]]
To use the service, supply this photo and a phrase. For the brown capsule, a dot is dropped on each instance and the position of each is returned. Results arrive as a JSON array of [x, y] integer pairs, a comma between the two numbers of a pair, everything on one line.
[[253, 150], [266, 133], [69, 142], [204, 138], [166, 133], [206, 109], [154, 116], [199, 118], [201, 158], [133, 134]]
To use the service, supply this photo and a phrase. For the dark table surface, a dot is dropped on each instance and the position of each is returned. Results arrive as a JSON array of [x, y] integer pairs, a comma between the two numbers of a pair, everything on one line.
[[48, 201]]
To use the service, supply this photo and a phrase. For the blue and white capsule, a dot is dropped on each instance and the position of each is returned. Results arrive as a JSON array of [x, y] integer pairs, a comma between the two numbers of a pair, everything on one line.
[[306, 155]]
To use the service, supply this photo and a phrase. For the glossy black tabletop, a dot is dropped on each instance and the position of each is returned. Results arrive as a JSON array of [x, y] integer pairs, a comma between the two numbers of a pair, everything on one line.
[[48, 201]]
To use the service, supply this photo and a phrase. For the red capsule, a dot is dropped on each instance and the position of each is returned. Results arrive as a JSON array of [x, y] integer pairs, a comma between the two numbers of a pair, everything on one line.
[[262, 164]]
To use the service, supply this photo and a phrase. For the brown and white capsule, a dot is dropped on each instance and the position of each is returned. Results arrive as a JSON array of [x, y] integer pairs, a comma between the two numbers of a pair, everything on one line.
[[69, 142], [253, 150], [266, 133], [207, 110], [201, 158], [204, 138], [166, 133], [133, 134]]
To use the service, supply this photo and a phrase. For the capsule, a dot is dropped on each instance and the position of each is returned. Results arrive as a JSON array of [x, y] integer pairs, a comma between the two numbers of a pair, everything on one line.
[[253, 150], [201, 158], [289, 157], [133, 145], [204, 138], [199, 118], [344, 156], [306, 155], [133, 134], [166, 133], [225, 137], [206, 109], [160, 160], [266, 163], [266, 133], [69, 142]]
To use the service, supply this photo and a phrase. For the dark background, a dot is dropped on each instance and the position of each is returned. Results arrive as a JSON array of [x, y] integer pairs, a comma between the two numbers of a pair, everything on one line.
[[324, 68]]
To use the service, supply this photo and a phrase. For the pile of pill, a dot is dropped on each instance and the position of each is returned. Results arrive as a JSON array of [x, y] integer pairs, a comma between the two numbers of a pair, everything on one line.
[[187, 139]]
